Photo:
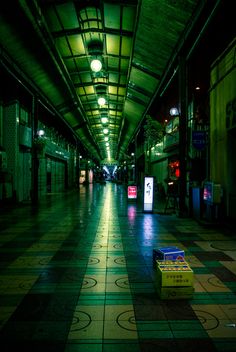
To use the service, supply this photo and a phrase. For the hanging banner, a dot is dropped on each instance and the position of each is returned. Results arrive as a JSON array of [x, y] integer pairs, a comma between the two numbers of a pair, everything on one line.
[[148, 193]]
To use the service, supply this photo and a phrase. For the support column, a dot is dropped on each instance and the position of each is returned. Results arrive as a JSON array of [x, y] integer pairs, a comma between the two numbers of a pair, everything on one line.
[[35, 160], [77, 165], [183, 211], [11, 143], [135, 161], [87, 172]]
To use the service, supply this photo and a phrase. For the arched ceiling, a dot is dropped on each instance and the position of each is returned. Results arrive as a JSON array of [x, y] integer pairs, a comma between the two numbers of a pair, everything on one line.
[[53, 42]]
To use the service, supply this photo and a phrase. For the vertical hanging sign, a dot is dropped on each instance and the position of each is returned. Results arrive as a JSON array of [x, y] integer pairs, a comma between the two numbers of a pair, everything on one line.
[[148, 193]]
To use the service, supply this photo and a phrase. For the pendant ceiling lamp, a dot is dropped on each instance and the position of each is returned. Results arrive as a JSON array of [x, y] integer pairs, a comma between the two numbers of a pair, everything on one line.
[[101, 101], [96, 65], [95, 49]]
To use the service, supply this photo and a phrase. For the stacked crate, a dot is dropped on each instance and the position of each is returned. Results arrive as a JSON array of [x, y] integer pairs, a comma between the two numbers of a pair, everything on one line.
[[174, 277]]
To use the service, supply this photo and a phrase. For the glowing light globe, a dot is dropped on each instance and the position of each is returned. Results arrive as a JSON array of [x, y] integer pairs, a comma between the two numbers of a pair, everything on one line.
[[96, 65]]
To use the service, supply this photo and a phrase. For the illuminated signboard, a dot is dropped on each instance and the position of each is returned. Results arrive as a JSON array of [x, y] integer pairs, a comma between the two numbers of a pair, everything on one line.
[[148, 193], [132, 192]]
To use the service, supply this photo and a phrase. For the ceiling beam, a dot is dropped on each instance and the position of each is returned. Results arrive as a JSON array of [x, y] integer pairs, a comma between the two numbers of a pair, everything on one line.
[[78, 31]]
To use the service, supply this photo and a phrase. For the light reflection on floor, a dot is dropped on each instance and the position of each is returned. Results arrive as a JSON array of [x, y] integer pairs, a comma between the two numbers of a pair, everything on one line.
[[77, 275]]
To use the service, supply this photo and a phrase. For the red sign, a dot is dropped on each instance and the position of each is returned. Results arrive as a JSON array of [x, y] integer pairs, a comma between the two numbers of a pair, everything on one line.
[[132, 192]]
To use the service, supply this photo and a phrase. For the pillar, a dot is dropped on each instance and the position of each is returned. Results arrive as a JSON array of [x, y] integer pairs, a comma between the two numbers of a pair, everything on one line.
[[182, 135]]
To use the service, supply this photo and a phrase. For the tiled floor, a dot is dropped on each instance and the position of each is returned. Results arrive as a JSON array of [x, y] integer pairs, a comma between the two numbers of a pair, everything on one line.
[[76, 274]]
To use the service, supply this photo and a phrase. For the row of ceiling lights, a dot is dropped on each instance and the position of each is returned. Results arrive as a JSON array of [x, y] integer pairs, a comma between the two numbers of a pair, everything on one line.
[[88, 16], [96, 65]]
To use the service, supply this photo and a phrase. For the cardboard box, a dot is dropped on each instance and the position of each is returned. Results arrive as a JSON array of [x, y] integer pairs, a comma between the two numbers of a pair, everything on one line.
[[174, 274], [175, 292], [168, 253]]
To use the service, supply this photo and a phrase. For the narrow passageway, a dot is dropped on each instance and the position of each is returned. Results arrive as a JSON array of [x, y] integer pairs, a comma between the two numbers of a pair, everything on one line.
[[76, 274]]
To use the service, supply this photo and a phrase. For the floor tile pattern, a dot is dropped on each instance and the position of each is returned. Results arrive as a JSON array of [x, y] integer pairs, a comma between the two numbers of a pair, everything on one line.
[[76, 274]]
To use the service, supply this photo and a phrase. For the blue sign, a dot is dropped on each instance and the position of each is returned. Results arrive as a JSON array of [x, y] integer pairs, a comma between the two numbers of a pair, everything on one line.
[[199, 139]]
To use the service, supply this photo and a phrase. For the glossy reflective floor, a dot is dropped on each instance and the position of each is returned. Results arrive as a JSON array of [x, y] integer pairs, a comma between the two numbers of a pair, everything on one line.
[[77, 275]]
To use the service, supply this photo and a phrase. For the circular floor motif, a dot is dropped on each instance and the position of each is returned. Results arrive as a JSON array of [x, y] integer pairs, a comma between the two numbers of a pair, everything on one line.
[[25, 285], [214, 281], [97, 246], [120, 260], [208, 320], [115, 236], [117, 246], [89, 282], [43, 261], [81, 320], [93, 261], [122, 282], [126, 320], [224, 245]]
